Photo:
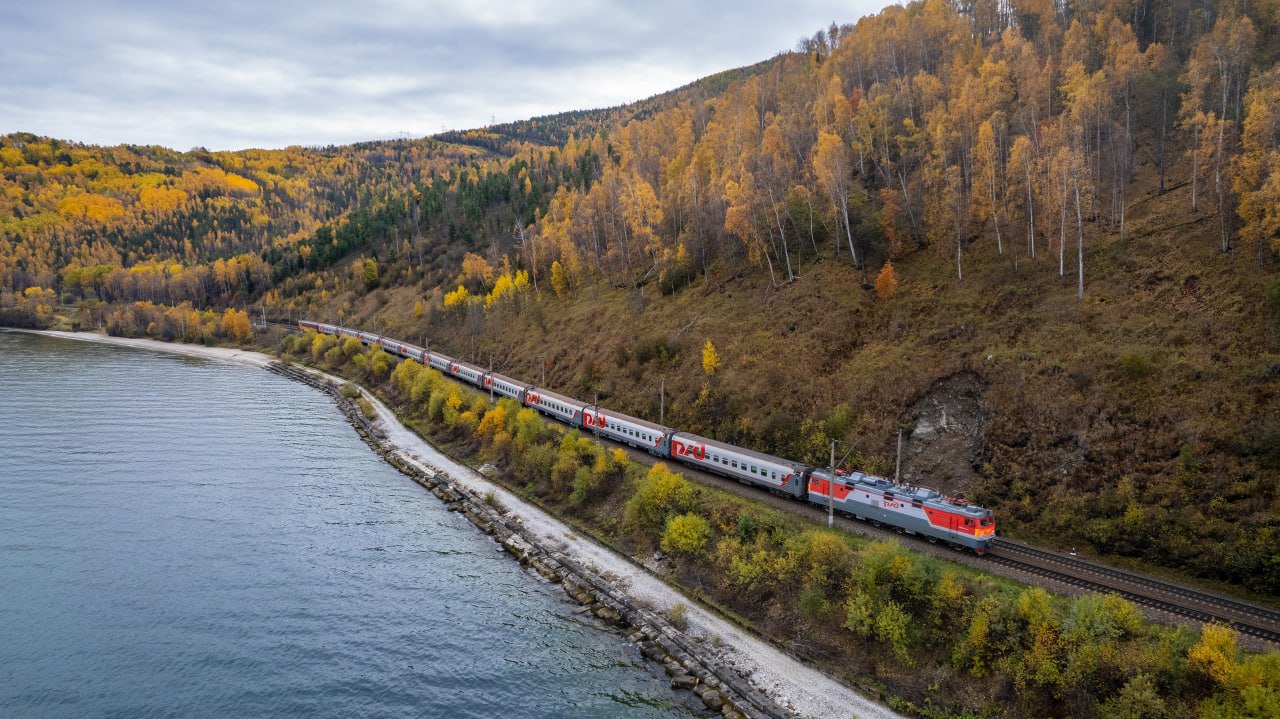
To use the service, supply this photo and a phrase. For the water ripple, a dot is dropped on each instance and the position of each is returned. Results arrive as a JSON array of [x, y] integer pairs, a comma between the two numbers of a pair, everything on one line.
[[194, 539]]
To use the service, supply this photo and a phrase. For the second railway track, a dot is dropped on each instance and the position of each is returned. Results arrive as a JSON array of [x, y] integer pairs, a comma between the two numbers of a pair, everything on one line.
[[1199, 606]]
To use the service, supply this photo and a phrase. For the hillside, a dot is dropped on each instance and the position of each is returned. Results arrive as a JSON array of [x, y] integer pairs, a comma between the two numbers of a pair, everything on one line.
[[1040, 238], [147, 223]]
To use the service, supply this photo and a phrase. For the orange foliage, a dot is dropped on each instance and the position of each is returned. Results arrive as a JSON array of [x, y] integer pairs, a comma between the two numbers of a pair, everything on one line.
[[161, 200], [90, 207], [886, 281]]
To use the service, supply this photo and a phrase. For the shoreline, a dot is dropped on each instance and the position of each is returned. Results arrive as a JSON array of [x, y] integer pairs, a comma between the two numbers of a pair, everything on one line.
[[786, 682]]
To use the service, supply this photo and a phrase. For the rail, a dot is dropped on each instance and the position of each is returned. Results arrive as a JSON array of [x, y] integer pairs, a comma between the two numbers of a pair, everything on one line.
[[1201, 606]]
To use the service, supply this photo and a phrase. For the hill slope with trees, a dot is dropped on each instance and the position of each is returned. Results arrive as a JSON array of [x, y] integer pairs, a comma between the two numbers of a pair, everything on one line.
[[1040, 237]]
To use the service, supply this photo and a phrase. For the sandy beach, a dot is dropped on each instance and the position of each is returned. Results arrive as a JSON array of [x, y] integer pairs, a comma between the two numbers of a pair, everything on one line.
[[799, 688]]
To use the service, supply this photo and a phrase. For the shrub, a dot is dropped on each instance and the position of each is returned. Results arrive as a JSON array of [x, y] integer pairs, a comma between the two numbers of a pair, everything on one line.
[[660, 494], [585, 483], [678, 615], [321, 344], [1134, 365], [495, 420], [823, 558], [756, 566], [815, 604], [435, 404], [686, 534], [528, 428]]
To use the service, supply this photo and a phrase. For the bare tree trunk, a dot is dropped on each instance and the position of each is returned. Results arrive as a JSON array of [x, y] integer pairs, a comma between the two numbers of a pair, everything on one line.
[[595, 237], [528, 250], [1062, 238], [773, 281], [848, 231], [995, 215], [1079, 242], [906, 204], [782, 235], [1218, 187], [1031, 216], [1195, 165], [813, 238], [1163, 133]]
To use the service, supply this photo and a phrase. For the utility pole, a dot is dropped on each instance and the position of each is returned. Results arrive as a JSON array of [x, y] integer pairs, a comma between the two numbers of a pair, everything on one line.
[[662, 401], [490, 378], [897, 472], [543, 383], [831, 489]]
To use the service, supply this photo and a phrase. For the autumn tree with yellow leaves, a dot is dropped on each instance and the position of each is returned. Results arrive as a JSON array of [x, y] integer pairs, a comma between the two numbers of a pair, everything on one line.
[[710, 359]]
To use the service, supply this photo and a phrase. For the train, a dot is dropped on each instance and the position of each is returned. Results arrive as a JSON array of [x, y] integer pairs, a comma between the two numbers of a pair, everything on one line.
[[908, 508]]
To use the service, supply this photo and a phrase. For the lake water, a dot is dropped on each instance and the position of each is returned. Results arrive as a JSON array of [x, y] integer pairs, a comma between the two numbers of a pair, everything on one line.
[[189, 538]]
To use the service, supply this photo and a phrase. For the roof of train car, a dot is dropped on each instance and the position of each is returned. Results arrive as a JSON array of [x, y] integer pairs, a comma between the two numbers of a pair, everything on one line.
[[610, 414], [557, 396], [468, 365], [916, 493], [726, 447], [508, 380]]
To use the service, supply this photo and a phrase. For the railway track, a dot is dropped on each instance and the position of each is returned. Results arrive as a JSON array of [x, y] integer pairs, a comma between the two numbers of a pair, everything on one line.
[[1019, 560], [1255, 621], [1200, 606]]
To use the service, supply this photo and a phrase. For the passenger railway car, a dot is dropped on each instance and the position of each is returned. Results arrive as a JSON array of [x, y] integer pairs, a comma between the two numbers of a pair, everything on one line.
[[468, 372], [505, 386], [914, 510], [627, 430], [762, 470], [565, 409], [435, 360]]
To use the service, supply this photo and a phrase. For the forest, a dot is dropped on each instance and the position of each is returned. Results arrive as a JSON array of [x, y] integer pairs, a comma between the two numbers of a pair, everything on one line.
[[1074, 203]]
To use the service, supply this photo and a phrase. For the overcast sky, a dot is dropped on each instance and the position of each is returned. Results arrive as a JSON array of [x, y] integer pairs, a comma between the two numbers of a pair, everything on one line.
[[232, 74]]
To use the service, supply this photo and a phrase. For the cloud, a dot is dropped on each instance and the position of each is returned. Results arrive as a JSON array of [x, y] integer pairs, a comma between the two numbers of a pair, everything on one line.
[[236, 73]]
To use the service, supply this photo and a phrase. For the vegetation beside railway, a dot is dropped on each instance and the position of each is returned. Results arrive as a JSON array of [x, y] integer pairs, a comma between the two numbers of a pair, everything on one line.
[[935, 639]]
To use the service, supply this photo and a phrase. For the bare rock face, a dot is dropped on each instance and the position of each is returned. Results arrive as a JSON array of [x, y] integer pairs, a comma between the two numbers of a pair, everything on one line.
[[946, 447]]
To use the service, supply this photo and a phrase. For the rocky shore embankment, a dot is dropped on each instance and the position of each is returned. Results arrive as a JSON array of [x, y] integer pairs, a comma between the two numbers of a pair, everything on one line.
[[719, 687]]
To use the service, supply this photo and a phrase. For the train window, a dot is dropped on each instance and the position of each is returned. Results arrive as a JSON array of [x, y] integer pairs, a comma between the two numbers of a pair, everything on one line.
[[968, 522], [733, 463]]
